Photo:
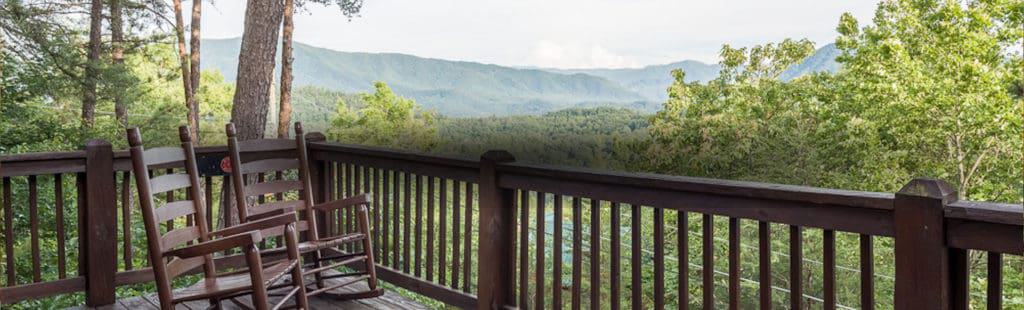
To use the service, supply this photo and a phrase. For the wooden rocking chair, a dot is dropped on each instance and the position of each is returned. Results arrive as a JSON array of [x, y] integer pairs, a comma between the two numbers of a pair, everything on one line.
[[244, 162], [183, 249]]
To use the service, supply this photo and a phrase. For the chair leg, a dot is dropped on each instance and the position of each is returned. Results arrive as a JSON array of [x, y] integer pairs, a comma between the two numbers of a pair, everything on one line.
[[297, 280], [364, 228], [259, 291]]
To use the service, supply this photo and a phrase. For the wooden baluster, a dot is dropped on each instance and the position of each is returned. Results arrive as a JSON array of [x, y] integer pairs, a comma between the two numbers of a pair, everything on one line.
[[406, 220], [350, 213], [58, 203], [278, 176], [556, 267], [377, 212], [417, 260], [734, 263], [524, 248], [80, 208], [442, 257], [430, 228], [959, 278], [616, 249], [9, 233], [385, 219], [828, 262], [764, 244], [512, 253], [33, 213], [683, 257], [467, 255], [208, 194], [126, 221], [635, 254], [539, 252], [577, 252], [796, 258], [994, 300], [659, 258], [709, 261], [867, 273], [595, 254], [456, 230], [396, 220]]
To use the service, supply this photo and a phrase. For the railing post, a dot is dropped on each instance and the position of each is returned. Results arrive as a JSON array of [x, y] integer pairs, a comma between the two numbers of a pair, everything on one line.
[[100, 224], [922, 258], [496, 232]]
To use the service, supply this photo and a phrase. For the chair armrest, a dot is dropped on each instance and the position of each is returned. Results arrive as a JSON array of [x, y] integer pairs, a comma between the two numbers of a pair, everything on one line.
[[218, 245], [361, 199], [271, 222], [269, 214]]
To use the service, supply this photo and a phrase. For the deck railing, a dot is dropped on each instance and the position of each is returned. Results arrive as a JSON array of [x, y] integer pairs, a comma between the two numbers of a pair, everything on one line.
[[493, 232]]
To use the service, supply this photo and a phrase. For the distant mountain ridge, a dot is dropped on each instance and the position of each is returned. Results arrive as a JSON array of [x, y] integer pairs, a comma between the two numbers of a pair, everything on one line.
[[461, 88]]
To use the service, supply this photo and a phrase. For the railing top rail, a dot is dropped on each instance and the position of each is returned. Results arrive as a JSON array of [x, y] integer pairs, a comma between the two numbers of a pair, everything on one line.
[[873, 200], [452, 161], [991, 212]]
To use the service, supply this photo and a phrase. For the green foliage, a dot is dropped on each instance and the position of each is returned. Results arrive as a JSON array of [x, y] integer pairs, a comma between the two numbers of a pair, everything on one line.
[[385, 120]]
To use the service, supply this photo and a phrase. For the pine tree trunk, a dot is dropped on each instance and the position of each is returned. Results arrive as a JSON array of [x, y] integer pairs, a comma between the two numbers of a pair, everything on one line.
[[117, 56], [197, 13], [92, 67], [256, 68], [284, 116], [186, 78]]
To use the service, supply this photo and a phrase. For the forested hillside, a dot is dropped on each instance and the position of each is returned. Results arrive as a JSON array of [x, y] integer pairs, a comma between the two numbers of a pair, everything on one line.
[[459, 88]]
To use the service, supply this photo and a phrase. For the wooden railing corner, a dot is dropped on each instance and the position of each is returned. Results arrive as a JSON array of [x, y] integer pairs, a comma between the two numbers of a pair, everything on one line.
[[100, 233], [496, 227], [922, 256]]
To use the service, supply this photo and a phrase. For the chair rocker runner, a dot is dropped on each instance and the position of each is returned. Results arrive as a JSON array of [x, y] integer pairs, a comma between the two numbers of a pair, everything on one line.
[[315, 249], [183, 249]]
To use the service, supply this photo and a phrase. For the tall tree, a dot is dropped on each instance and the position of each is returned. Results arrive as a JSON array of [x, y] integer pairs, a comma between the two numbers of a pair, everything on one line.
[[197, 13], [284, 116], [256, 67], [117, 57], [186, 77], [92, 69]]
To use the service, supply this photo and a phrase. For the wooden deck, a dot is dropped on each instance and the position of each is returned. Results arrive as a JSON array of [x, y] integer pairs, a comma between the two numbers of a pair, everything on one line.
[[389, 300]]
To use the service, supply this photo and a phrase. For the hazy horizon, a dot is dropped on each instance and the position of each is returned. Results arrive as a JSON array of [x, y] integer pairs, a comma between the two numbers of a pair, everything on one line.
[[572, 34]]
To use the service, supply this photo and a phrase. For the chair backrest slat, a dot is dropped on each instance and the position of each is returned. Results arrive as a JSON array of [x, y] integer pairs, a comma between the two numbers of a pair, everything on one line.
[[270, 165], [272, 187], [175, 209], [276, 205], [169, 182], [164, 155], [172, 239]]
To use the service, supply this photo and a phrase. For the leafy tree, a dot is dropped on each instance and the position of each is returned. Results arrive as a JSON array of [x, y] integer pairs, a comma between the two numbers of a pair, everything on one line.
[[386, 119]]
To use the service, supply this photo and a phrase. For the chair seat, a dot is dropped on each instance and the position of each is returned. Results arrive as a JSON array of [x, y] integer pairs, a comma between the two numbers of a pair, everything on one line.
[[325, 243], [237, 283]]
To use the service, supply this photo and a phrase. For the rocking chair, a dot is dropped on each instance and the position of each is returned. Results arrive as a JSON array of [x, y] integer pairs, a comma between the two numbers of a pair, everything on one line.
[[246, 161]]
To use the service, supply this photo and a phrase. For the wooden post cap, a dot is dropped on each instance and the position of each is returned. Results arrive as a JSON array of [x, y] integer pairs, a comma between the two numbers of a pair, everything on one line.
[[134, 138], [229, 129], [931, 188], [498, 156], [184, 135]]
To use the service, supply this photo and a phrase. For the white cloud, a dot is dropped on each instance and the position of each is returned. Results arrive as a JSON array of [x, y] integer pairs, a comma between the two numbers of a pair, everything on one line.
[[550, 54]]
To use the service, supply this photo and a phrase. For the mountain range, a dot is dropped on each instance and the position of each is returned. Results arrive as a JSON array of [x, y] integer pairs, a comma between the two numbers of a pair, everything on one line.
[[466, 89]]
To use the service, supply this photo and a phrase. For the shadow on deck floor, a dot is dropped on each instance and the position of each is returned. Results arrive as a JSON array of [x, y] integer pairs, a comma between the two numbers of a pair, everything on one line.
[[389, 300]]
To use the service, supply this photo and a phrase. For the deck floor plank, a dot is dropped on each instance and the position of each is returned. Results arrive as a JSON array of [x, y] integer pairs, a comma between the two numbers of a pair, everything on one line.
[[389, 300]]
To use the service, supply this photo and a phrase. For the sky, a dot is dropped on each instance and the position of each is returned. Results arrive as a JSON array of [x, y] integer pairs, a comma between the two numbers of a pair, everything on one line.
[[556, 33]]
